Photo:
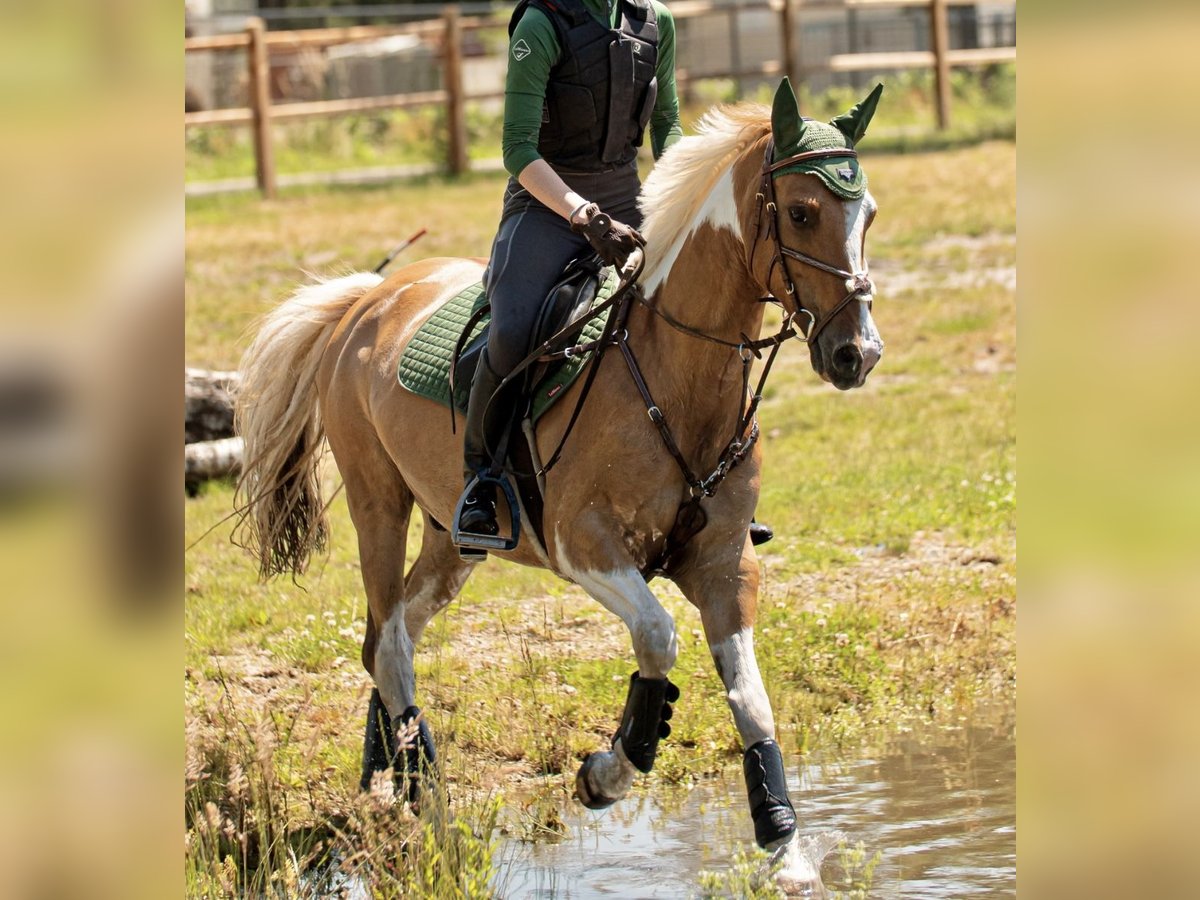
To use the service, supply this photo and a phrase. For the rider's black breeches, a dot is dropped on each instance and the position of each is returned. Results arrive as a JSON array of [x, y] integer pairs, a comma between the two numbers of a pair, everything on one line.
[[532, 247]]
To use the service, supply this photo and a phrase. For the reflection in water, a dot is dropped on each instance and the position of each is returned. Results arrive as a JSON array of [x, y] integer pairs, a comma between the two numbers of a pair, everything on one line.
[[938, 806]]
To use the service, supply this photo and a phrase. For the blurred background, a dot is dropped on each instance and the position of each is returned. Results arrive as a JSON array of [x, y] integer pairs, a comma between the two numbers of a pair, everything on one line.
[[299, 93]]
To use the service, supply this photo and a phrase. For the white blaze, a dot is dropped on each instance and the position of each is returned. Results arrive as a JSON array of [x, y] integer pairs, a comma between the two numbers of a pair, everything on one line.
[[858, 213], [719, 211]]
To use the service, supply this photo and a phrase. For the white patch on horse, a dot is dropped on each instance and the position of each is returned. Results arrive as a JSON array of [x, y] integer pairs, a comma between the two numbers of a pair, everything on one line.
[[624, 593], [736, 662], [858, 213], [423, 604], [393, 663], [719, 210]]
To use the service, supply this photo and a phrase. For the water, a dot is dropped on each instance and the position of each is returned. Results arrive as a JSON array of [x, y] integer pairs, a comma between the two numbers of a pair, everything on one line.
[[937, 805]]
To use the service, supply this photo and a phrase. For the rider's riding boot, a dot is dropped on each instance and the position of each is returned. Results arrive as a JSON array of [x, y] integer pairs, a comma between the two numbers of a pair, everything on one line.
[[760, 533], [487, 419]]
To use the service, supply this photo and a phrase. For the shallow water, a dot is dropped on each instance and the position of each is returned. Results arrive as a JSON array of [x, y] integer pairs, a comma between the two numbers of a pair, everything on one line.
[[937, 805]]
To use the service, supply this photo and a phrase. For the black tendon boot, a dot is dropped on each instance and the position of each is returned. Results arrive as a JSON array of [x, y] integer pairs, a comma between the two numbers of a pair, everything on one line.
[[420, 758], [487, 419], [647, 713], [379, 742], [766, 786]]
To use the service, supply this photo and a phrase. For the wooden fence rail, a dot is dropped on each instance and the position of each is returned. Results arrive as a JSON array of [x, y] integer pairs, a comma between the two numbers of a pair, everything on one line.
[[452, 26]]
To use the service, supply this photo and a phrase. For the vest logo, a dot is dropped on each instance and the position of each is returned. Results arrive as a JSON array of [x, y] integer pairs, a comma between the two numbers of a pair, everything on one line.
[[521, 50], [637, 49]]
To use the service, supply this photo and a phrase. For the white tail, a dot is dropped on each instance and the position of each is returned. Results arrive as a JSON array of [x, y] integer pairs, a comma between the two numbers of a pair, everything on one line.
[[278, 417]]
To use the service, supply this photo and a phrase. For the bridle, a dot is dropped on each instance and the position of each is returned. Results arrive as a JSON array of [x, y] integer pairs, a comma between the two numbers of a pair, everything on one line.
[[766, 216], [691, 518]]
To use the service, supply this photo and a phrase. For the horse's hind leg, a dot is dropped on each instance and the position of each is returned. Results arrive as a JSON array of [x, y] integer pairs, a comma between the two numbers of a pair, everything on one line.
[[435, 579], [727, 608], [380, 504], [437, 576]]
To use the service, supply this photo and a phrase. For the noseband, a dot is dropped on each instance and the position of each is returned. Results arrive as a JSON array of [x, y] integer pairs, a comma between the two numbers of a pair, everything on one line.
[[857, 283]]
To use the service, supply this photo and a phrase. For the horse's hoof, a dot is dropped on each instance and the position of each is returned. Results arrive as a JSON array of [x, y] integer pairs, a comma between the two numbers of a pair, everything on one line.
[[585, 795]]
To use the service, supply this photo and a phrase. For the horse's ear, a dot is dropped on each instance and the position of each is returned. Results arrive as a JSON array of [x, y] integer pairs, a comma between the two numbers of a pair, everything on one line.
[[853, 124], [786, 124]]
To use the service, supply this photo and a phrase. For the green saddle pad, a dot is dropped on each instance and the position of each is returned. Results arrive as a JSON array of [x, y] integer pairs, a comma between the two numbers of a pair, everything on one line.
[[425, 365]]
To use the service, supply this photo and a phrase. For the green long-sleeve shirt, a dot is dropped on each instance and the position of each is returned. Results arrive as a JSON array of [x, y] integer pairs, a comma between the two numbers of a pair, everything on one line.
[[534, 50]]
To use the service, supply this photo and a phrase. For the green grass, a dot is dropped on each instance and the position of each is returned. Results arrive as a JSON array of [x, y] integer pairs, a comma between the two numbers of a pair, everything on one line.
[[889, 591]]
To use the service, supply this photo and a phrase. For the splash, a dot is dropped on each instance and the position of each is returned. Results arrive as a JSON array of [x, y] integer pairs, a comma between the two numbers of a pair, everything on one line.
[[797, 864]]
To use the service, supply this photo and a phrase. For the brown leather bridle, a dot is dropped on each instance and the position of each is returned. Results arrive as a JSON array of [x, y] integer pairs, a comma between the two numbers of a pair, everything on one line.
[[858, 283], [691, 518]]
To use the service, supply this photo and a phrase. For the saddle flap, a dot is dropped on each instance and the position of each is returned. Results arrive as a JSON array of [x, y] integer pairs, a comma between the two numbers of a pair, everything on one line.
[[424, 367], [567, 301]]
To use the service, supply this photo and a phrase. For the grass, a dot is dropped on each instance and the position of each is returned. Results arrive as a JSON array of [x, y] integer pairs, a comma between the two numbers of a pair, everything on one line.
[[888, 593]]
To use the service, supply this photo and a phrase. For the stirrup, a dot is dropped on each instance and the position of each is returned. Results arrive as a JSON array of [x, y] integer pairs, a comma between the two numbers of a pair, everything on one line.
[[475, 546]]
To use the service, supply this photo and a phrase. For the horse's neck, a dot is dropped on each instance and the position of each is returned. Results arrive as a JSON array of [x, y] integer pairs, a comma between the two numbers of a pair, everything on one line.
[[709, 290]]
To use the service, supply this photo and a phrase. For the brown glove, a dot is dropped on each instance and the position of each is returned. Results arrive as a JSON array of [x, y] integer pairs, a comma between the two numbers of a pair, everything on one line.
[[612, 241]]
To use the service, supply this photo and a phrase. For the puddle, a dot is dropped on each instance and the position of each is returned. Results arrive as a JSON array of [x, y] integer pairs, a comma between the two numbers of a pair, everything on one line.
[[937, 805]]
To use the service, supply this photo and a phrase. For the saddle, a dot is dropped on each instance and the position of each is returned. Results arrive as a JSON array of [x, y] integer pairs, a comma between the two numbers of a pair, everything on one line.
[[458, 330], [571, 297], [440, 362]]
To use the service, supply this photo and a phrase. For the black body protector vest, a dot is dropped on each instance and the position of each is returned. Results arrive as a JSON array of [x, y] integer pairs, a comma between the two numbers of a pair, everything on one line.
[[602, 91]]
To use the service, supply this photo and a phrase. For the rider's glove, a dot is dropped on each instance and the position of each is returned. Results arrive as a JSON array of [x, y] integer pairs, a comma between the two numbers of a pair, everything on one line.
[[613, 241]]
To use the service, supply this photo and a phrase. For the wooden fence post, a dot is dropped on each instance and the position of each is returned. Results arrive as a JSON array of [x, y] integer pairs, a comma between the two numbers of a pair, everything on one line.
[[455, 104], [791, 67], [735, 48], [941, 73], [260, 106]]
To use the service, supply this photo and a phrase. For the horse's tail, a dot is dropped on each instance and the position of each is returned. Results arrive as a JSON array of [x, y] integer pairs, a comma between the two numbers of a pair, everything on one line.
[[282, 515]]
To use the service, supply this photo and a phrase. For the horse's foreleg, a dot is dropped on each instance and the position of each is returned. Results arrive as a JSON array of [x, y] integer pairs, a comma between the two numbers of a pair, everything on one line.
[[606, 777], [727, 609]]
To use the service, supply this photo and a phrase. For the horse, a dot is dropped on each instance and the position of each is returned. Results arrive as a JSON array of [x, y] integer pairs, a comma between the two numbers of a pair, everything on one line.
[[742, 211]]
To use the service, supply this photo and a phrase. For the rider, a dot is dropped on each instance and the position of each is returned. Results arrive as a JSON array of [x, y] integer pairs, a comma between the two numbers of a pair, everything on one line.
[[585, 79]]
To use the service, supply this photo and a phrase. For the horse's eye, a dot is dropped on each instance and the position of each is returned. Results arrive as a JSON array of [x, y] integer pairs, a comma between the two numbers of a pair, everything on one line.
[[799, 215]]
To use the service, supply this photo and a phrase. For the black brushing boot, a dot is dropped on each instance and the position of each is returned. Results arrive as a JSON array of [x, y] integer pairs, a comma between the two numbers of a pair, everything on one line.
[[379, 743], [420, 757], [646, 718], [766, 787]]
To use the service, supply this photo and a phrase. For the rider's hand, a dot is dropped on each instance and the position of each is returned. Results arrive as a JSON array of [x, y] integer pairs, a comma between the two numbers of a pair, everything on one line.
[[613, 241]]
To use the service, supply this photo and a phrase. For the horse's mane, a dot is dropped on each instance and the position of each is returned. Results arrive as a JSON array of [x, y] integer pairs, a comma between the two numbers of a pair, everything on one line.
[[681, 180]]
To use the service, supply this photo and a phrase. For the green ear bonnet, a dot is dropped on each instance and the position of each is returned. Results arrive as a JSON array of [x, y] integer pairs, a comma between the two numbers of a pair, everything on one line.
[[795, 134]]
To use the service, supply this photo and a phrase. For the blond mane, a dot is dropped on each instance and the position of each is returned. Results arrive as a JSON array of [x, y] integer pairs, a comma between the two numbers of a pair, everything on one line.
[[682, 179]]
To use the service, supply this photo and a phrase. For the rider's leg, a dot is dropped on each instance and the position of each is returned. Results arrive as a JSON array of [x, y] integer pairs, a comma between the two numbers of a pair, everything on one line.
[[532, 247], [487, 418]]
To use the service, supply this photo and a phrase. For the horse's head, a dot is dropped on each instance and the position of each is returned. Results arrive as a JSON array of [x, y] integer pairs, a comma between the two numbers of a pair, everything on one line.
[[810, 237]]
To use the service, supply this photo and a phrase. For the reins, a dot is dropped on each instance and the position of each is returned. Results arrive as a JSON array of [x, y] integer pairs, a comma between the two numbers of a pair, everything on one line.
[[690, 519]]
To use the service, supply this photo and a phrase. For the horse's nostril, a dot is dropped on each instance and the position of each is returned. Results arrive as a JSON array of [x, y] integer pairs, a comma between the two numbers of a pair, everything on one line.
[[846, 361]]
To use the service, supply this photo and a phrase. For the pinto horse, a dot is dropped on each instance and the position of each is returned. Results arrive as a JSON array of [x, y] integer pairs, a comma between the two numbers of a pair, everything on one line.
[[735, 214]]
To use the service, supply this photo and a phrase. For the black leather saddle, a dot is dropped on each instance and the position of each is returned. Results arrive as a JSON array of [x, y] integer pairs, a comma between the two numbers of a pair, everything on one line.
[[571, 297]]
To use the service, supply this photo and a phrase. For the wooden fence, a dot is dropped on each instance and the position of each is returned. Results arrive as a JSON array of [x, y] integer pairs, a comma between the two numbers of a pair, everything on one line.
[[452, 26]]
